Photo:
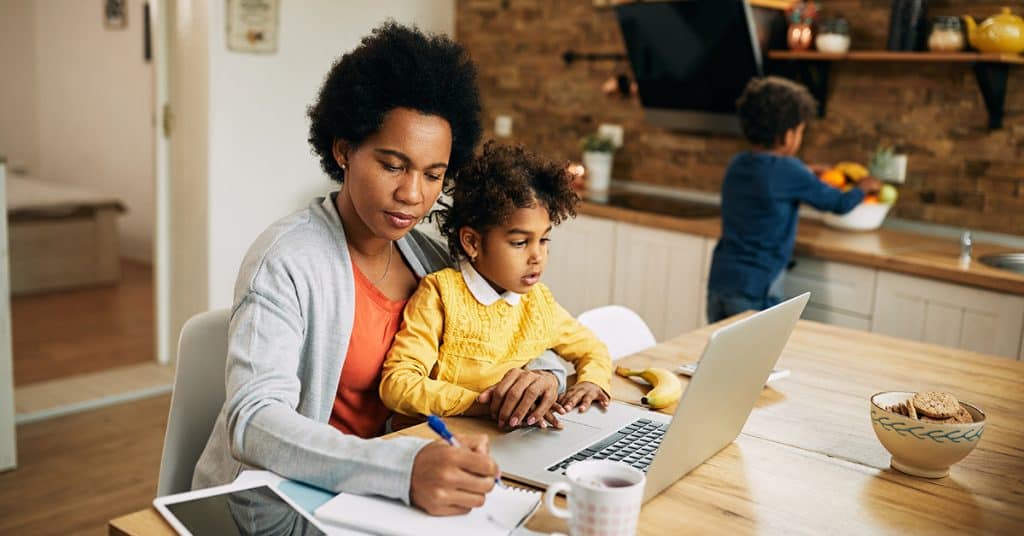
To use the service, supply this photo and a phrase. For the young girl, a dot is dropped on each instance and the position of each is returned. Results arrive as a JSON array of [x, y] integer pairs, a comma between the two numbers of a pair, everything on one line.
[[463, 329]]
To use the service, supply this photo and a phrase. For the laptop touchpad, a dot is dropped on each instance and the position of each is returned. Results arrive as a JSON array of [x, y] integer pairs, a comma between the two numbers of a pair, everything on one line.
[[535, 441]]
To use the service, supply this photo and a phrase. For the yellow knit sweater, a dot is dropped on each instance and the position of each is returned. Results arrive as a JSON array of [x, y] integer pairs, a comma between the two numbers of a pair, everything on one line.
[[451, 347]]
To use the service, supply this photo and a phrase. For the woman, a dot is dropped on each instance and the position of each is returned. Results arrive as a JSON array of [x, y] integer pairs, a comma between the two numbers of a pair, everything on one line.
[[320, 293]]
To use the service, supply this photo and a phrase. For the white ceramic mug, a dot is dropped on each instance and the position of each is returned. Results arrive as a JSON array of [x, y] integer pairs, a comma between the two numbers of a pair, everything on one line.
[[604, 498]]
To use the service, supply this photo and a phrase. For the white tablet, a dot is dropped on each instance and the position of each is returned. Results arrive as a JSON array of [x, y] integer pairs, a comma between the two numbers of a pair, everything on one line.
[[238, 508], [689, 369]]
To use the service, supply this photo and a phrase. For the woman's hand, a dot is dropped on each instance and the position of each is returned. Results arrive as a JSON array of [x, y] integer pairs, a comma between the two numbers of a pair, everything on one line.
[[524, 397], [449, 480], [584, 394]]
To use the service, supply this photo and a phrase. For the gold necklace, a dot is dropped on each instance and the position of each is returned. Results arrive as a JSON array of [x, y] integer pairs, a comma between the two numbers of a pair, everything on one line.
[[387, 265]]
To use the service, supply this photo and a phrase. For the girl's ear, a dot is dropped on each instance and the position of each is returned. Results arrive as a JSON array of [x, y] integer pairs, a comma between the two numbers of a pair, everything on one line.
[[340, 152], [471, 242]]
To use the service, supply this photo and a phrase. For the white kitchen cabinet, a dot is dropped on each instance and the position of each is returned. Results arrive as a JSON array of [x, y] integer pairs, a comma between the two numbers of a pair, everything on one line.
[[657, 274], [702, 292], [825, 315], [580, 262], [841, 294], [947, 314]]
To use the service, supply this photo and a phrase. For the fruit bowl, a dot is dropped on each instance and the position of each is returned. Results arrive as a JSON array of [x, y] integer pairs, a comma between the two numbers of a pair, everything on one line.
[[919, 448], [864, 217]]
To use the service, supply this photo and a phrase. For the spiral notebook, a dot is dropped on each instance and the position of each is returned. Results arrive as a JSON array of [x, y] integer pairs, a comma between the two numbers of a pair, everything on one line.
[[505, 510]]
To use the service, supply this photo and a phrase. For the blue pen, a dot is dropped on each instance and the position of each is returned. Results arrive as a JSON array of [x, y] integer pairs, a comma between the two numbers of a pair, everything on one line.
[[437, 425]]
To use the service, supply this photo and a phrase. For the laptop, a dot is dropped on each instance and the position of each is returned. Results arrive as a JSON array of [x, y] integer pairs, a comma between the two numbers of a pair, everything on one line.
[[715, 405]]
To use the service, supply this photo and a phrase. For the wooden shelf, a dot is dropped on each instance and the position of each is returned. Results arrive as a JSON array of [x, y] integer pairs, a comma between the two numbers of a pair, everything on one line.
[[992, 70], [885, 55]]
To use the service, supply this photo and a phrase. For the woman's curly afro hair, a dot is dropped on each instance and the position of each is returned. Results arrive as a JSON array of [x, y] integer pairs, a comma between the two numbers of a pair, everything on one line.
[[498, 182], [770, 106], [396, 67]]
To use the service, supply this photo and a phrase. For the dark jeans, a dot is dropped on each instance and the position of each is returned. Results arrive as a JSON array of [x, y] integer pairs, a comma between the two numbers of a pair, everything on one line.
[[722, 304]]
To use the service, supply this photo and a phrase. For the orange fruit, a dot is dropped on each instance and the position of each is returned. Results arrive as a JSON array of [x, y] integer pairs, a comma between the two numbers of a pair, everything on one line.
[[833, 178], [871, 199]]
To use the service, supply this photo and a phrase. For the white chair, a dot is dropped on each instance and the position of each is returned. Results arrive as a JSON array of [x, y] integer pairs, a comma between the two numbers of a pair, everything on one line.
[[197, 398], [619, 328]]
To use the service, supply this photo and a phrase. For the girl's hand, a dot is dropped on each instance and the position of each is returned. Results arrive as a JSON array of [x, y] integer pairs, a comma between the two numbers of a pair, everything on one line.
[[583, 394]]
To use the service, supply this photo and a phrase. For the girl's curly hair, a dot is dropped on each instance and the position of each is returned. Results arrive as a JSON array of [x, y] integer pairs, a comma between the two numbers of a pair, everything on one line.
[[498, 182], [770, 106], [396, 67]]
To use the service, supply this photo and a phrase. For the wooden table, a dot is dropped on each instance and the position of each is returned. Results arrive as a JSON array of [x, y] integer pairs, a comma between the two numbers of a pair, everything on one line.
[[808, 462]]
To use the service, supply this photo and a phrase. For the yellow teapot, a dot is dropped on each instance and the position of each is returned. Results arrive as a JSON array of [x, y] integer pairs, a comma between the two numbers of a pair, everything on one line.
[[999, 33]]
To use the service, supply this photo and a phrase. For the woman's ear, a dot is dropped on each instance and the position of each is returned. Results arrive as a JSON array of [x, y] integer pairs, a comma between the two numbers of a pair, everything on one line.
[[340, 152], [471, 241]]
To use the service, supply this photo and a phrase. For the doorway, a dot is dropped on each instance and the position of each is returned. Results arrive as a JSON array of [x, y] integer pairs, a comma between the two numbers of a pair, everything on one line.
[[78, 127]]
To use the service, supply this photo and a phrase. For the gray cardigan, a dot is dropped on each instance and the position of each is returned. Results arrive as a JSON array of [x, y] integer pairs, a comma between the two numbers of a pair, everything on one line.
[[288, 337]]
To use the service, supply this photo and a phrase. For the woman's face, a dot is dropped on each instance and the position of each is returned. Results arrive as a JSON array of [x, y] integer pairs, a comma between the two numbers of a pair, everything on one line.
[[393, 178]]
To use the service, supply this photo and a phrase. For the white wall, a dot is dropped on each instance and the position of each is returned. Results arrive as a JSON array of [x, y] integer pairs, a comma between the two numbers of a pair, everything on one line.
[[239, 155], [18, 127], [95, 110], [77, 105], [260, 164]]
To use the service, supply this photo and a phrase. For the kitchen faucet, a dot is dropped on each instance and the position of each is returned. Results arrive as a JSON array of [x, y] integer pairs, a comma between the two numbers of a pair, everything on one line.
[[965, 248]]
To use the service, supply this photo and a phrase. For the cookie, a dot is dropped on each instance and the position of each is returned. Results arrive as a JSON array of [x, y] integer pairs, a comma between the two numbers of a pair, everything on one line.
[[904, 408], [898, 409], [936, 405], [911, 411], [963, 416]]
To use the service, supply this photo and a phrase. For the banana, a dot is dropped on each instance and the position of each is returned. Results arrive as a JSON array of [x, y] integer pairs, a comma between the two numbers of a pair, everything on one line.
[[666, 389], [853, 170]]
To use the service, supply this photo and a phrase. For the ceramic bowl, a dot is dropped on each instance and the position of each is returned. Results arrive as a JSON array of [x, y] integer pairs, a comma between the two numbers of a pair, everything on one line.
[[919, 448], [864, 217]]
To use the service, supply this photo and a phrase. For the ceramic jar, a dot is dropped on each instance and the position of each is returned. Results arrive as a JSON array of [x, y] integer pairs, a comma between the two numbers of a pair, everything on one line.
[[947, 35], [833, 37]]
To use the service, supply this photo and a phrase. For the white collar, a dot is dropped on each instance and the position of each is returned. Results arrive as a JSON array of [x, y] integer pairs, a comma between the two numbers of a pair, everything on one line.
[[482, 290]]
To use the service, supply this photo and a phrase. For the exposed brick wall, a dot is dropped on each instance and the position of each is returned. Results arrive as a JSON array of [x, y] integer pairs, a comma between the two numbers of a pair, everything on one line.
[[959, 172]]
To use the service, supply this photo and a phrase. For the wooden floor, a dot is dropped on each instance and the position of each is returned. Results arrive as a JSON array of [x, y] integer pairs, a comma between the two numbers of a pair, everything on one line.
[[75, 473], [62, 334]]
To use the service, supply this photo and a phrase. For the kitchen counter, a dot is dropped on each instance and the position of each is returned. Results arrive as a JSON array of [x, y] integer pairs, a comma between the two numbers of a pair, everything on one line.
[[887, 249]]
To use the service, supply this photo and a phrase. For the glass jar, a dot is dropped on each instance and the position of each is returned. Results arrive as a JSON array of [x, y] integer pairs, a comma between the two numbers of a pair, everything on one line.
[[947, 35], [833, 36]]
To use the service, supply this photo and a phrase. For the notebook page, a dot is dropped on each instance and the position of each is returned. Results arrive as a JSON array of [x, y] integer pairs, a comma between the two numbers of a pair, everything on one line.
[[504, 510]]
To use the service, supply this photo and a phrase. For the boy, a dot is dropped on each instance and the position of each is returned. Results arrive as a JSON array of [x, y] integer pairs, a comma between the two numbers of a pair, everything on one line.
[[761, 194]]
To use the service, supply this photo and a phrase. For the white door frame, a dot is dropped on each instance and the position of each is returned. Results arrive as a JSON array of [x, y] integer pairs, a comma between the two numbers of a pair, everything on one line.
[[8, 445], [160, 13]]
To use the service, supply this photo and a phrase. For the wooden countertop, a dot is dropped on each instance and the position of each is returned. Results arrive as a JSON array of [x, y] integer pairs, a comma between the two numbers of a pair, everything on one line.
[[896, 251], [808, 461]]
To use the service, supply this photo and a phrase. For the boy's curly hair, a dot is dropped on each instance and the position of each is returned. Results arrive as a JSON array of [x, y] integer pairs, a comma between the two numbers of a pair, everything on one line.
[[396, 67], [498, 182], [770, 106]]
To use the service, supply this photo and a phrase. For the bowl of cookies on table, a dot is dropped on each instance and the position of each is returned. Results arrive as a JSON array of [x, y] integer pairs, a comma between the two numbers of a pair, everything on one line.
[[925, 432]]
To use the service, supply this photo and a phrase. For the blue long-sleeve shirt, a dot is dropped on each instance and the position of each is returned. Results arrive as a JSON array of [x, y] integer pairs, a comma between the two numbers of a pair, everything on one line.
[[761, 194]]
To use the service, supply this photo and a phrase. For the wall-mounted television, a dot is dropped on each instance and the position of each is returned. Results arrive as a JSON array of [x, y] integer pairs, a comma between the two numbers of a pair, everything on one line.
[[691, 59]]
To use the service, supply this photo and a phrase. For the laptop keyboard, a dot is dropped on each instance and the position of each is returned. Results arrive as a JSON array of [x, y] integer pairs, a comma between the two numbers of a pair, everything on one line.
[[634, 444]]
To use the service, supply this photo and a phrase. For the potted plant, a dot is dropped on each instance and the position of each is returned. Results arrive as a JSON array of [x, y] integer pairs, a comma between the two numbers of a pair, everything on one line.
[[597, 159], [887, 165]]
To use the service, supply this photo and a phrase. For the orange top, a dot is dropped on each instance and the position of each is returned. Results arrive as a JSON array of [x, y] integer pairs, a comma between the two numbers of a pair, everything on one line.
[[357, 406]]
